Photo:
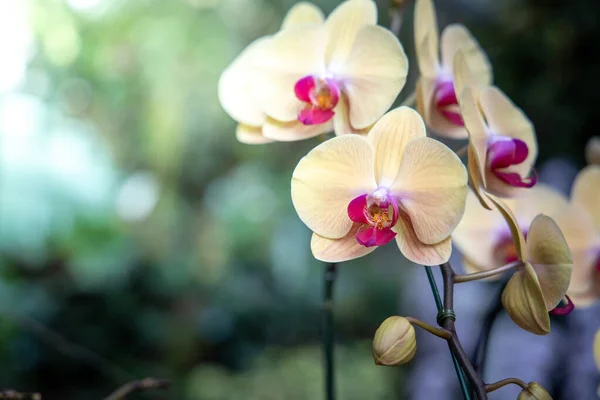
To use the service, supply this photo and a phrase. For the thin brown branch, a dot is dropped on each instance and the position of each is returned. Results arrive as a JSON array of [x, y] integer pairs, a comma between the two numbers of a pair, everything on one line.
[[477, 384], [136, 386], [14, 395], [485, 274], [495, 386]]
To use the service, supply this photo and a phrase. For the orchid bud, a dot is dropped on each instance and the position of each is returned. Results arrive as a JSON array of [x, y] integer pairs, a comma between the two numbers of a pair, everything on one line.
[[592, 151], [534, 391], [395, 342]]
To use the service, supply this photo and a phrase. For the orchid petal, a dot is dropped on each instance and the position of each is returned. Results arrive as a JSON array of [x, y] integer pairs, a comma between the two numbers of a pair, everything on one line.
[[456, 38], [551, 259], [586, 192], [312, 115], [374, 74], [236, 88], [338, 250], [478, 233], [390, 137], [523, 300], [426, 38], [341, 119], [356, 209], [415, 250], [290, 55], [251, 134], [431, 187], [293, 130], [343, 25], [513, 225], [327, 179], [478, 137], [506, 119], [462, 76], [370, 236], [302, 13]]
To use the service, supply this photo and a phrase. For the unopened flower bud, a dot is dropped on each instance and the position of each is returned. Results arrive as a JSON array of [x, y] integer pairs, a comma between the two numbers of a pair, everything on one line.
[[395, 342], [592, 151], [534, 391]]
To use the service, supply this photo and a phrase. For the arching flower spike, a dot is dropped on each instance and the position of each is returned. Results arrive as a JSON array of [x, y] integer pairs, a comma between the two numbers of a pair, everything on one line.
[[541, 282], [358, 193], [585, 288], [502, 142], [345, 73], [237, 92], [437, 99]]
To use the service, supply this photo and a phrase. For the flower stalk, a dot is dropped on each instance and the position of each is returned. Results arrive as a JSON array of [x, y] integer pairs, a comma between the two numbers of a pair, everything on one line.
[[486, 274], [329, 276], [441, 333], [508, 381]]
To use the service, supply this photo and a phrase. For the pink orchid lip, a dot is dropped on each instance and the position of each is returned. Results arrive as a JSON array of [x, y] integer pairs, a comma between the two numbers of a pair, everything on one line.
[[563, 309], [377, 214], [504, 152], [321, 96], [446, 102]]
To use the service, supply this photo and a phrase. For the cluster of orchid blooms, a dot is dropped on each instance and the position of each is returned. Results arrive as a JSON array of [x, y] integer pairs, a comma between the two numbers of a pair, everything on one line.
[[381, 178]]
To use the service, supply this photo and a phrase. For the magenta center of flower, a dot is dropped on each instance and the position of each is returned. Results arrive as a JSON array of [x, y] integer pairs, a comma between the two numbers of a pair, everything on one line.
[[446, 102], [505, 250], [564, 308], [503, 152], [320, 95], [376, 214]]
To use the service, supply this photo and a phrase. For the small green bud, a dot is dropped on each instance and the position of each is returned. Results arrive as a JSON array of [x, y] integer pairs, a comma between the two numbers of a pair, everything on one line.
[[395, 342], [534, 391]]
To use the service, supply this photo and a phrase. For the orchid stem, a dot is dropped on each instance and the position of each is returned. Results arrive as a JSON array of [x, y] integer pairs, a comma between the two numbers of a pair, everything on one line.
[[485, 274], [328, 281], [440, 307], [441, 333], [495, 386]]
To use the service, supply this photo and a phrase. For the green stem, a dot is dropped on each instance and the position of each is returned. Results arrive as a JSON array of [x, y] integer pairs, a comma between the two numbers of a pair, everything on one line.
[[328, 280], [438, 302]]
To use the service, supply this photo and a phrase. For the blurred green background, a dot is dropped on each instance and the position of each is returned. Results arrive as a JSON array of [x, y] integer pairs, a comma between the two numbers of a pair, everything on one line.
[[139, 238]]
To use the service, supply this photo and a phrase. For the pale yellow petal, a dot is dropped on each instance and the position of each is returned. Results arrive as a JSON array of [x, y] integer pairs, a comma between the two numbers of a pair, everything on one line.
[[584, 277], [374, 74], [289, 56], [540, 199], [415, 250], [236, 88], [478, 136], [251, 134], [390, 137], [551, 259], [456, 38], [477, 234], [585, 299], [327, 179], [426, 38], [592, 151], [341, 119], [339, 250], [475, 178], [523, 300], [432, 188], [342, 25], [293, 130], [513, 224], [586, 192], [505, 118], [302, 13]]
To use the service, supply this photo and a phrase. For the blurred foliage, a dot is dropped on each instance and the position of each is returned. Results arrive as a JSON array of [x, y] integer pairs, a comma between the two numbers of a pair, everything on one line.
[[138, 238]]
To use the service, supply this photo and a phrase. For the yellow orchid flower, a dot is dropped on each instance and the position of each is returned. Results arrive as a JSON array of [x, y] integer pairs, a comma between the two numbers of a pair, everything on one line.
[[485, 240], [343, 74], [357, 193], [585, 288], [236, 92], [541, 281], [502, 143], [436, 96]]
